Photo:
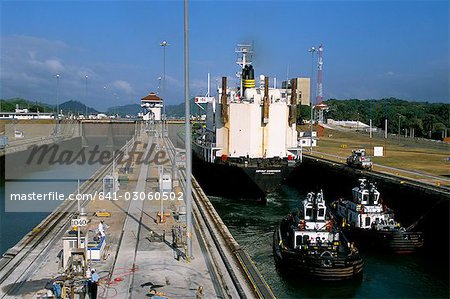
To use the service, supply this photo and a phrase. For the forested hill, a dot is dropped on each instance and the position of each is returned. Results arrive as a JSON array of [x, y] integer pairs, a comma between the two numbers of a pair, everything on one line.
[[426, 118]]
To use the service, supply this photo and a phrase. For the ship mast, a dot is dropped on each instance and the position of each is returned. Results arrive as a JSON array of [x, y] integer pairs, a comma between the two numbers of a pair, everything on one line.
[[244, 58]]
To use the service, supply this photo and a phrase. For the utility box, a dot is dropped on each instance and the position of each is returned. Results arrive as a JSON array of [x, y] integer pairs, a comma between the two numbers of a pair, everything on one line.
[[180, 158], [110, 183], [95, 250], [166, 183]]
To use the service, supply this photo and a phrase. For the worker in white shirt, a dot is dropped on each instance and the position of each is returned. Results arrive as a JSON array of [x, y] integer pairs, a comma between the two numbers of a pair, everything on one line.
[[101, 229]]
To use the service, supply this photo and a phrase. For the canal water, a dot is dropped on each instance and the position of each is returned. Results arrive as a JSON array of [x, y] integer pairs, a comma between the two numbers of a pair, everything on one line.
[[385, 275], [14, 225]]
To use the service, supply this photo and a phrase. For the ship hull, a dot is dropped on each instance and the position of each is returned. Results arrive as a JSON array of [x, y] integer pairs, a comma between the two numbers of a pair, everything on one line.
[[324, 268], [239, 181], [396, 241]]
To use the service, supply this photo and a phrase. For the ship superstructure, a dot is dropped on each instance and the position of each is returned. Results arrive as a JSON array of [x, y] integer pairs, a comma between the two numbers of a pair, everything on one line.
[[251, 127]]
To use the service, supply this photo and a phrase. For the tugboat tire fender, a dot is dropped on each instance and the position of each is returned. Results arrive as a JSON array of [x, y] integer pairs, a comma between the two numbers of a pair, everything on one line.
[[326, 253]]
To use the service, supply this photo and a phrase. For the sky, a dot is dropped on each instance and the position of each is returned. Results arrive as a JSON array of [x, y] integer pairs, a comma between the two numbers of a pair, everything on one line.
[[372, 49]]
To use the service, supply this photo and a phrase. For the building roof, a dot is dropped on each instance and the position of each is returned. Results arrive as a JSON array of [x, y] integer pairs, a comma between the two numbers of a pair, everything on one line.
[[152, 97]]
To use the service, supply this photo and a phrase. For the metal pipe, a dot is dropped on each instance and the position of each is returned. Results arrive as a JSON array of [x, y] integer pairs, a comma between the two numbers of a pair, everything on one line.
[[223, 101], [188, 135], [293, 103], [266, 101]]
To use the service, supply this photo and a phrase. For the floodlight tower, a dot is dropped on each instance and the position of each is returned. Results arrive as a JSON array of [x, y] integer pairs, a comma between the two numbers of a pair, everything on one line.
[[319, 97]]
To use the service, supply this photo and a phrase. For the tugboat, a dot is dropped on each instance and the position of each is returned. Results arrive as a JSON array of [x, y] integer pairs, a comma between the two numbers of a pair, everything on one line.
[[367, 221], [250, 136], [310, 244]]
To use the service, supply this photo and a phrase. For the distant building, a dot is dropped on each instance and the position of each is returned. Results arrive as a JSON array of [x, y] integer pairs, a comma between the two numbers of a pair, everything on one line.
[[152, 105], [303, 89], [349, 124], [26, 115], [305, 139]]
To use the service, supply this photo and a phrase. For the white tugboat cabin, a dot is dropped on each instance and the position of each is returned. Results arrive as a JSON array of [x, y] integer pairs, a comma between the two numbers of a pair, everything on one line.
[[315, 230], [366, 210]]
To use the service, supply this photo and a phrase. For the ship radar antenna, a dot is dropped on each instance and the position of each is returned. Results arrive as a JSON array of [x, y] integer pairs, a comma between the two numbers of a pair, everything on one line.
[[244, 54], [244, 60]]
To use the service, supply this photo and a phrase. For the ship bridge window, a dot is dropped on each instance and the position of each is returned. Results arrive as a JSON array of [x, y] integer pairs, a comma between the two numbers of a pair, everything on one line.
[[301, 240], [365, 198], [321, 213]]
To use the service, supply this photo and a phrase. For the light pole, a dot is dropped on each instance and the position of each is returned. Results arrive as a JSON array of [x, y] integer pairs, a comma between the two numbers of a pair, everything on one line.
[[312, 50], [370, 122], [164, 44], [159, 84], [85, 95], [104, 91], [399, 120], [357, 123], [187, 126], [57, 97], [116, 104]]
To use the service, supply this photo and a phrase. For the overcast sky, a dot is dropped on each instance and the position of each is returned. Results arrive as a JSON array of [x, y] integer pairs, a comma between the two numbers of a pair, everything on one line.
[[372, 49]]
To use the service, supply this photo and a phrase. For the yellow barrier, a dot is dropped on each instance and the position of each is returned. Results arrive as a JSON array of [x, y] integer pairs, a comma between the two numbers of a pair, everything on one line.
[[103, 214]]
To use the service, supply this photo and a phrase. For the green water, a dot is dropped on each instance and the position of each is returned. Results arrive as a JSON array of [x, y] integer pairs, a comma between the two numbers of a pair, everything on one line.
[[385, 276]]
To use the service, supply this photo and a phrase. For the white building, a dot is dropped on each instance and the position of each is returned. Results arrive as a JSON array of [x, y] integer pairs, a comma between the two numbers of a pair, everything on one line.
[[152, 105]]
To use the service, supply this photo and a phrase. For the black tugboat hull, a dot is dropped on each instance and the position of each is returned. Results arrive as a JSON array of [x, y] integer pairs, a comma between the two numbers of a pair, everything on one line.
[[317, 268], [397, 241], [250, 182]]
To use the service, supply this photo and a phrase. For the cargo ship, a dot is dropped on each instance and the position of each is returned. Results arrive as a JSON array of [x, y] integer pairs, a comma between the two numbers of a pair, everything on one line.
[[371, 224], [309, 243], [248, 145]]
